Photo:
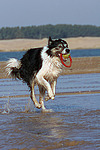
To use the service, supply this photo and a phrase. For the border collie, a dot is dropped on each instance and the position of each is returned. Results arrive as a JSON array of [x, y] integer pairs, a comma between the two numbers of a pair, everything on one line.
[[41, 66]]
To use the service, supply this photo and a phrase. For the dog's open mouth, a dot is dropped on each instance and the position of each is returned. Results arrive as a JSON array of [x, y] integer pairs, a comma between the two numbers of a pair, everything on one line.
[[65, 57]]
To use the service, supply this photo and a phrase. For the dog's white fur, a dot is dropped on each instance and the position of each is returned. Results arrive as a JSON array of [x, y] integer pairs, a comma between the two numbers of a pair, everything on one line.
[[12, 63]]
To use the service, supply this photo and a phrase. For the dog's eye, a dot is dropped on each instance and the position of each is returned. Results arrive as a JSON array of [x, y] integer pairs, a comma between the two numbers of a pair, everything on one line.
[[57, 48], [60, 46]]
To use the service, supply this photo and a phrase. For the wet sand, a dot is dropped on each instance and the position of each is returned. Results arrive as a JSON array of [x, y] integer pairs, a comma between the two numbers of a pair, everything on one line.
[[74, 124], [79, 66]]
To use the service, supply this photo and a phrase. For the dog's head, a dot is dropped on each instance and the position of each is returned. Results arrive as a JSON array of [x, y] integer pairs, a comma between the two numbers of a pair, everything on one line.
[[56, 47]]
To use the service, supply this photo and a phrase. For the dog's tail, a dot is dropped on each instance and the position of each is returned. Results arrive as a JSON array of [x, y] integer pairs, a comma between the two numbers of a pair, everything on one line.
[[12, 68]]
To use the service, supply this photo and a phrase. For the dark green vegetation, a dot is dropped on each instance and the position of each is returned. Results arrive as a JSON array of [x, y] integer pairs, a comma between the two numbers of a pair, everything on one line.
[[44, 31]]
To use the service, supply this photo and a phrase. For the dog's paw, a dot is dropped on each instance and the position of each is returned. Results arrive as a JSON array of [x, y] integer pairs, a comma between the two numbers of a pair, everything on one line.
[[47, 110], [52, 97], [37, 105], [47, 98]]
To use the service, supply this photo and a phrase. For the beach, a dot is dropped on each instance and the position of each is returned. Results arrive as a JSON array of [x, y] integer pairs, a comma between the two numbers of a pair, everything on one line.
[[24, 44], [74, 122], [80, 65]]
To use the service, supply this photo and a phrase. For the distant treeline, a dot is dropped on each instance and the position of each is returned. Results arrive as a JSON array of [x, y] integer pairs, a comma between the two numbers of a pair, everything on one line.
[[44, 31]]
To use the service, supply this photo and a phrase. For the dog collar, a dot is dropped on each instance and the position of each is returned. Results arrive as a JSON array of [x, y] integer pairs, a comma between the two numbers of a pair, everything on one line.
[[61, 58]]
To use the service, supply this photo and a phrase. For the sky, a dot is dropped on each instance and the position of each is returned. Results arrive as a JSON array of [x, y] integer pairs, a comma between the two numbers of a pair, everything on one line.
[[41, 12]]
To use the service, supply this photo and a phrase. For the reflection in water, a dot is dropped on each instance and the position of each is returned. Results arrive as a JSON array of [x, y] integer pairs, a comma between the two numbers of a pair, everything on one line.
[[45, 125], [75, 128], [42, 131]]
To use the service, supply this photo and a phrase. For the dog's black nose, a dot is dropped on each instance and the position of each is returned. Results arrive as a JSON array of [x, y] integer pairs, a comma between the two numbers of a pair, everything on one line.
[[67, 50]]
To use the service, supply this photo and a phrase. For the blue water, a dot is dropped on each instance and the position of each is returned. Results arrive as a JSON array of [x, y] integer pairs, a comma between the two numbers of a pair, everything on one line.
[[85, 53], [4, 56], [65, 84], [74, 124]]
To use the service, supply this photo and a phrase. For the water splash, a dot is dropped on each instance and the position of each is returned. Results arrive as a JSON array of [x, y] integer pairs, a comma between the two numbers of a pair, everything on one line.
[[29, 107], [16, 107], [7, 107]]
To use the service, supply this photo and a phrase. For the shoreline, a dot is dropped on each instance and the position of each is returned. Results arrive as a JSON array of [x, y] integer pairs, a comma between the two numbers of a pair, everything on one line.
[[25, 44], [80, 65]]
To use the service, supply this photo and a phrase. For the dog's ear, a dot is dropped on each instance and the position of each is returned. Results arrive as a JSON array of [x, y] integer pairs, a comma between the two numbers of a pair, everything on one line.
[[50, 40]]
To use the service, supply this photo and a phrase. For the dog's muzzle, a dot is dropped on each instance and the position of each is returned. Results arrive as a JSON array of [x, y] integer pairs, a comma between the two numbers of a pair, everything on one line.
[[65, 54], [64, 57], [66, 51]]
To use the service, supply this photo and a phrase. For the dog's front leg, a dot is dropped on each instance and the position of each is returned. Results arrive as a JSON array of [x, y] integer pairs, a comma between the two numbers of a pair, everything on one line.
[[41, 99], [41, 96], [53, 87], [37, 105], [46, 85]]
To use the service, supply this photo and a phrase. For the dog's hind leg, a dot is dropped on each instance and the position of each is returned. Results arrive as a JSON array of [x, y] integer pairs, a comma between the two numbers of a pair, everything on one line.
[[41, 96], [46, 85], [37, 105]]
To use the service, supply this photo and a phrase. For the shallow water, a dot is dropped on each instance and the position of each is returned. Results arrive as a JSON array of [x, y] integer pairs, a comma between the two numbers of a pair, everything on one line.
[[4, 56], [73, 124]]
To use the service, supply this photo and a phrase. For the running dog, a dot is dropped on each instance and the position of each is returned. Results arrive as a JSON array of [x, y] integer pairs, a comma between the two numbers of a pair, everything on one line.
[[41, 66]]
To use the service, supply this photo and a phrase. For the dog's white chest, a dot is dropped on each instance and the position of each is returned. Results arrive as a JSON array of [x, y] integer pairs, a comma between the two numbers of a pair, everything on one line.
[[52, 68]]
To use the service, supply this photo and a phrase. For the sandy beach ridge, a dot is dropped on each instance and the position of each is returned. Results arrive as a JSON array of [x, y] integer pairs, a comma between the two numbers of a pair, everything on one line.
[[24, 44], [82, 65], [79, 65]]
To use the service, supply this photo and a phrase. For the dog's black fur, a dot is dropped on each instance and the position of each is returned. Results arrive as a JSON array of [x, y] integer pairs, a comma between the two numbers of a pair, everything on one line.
[[31, 64]]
